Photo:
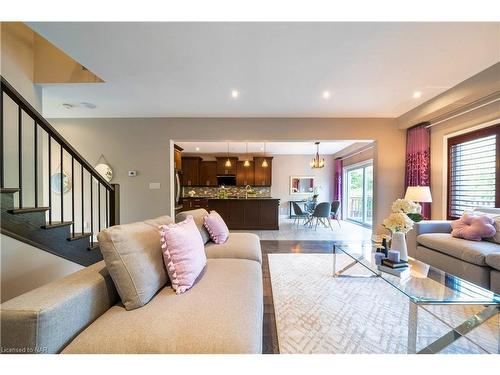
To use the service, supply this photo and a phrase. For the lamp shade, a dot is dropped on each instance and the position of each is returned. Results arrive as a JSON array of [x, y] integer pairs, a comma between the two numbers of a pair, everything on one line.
[[418, 194]]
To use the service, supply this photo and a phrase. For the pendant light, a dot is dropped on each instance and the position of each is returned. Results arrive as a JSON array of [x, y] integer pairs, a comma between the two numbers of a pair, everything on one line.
[[264, 163], [228, 162], [247, 162], [317, 162]]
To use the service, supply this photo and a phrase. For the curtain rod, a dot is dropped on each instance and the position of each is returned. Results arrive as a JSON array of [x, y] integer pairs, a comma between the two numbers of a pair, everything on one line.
[[356, 153], [462, 113]]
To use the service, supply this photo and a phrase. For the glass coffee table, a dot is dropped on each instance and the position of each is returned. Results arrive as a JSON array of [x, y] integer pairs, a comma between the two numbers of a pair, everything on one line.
[[425, 286]]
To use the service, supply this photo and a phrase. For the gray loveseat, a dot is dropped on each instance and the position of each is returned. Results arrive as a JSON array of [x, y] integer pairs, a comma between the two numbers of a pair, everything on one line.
[[82, 313], [475, 261]]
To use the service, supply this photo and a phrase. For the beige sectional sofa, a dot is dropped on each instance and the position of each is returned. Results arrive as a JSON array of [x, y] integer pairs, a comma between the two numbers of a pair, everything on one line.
[[82, 313], [476, 261]]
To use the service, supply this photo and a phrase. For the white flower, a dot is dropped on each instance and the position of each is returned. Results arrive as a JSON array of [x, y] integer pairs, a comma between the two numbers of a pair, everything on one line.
[[406, 206], [398, 222]]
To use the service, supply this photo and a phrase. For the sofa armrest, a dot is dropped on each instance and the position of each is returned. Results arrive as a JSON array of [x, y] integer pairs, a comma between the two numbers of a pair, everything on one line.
[[432, 226], [422, 227], [48, 318]]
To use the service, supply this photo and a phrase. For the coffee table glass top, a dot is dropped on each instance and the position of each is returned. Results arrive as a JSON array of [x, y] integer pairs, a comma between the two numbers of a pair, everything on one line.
[[426, 284]]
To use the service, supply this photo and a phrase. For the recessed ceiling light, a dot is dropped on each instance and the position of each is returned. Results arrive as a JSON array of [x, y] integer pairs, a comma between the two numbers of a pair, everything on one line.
[[235, 94], [417, 94], [326, 94], [197, 149]]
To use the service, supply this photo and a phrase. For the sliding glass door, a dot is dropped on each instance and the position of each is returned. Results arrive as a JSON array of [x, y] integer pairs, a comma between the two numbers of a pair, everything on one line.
[[358, 193]]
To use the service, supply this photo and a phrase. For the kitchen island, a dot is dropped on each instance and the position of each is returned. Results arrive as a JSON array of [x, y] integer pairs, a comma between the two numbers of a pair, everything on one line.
[[247, 213]]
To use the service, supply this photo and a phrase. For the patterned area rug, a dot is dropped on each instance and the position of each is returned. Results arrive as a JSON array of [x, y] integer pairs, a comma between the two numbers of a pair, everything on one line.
[[316, 313]]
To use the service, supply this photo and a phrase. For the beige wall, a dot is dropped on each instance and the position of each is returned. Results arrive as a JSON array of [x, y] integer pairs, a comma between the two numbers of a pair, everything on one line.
[[17, 60], [358, 157], [25, 267], [285, 166], [145, 145]]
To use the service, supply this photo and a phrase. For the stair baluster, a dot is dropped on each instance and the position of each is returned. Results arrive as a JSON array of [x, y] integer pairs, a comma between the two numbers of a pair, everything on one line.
[[32, 224]]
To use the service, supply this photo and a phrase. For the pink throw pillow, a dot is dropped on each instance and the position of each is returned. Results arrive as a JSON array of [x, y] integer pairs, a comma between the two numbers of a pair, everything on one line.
[[183, 253], [216, 227], [474, 228]]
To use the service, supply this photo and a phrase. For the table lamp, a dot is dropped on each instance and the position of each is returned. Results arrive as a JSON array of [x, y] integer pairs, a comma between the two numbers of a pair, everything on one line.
[[420, 194]]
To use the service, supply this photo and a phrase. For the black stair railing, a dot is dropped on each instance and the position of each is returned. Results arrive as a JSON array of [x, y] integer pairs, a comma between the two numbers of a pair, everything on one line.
[[109, 213]]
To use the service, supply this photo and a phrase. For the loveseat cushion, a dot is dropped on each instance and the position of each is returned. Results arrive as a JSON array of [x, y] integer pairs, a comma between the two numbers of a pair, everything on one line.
[[221, 313], [133, 257], [493, 260], [474, 252], [238, 246], [198, 217]]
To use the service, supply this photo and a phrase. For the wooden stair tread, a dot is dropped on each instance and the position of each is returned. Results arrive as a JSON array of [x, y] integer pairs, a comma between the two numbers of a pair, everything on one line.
[[79, 236], [25, 210], [9, 190], [57, 224]]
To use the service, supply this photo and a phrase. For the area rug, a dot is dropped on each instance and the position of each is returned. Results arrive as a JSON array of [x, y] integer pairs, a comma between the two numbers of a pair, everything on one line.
[[316, 313]]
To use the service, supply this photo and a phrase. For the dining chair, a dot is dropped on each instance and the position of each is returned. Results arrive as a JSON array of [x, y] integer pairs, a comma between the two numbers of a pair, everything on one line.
[[299, 214], [334, 211], [310, 206], [322, 214]]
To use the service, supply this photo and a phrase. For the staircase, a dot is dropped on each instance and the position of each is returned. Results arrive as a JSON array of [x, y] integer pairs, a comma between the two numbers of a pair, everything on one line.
[[57, 209]]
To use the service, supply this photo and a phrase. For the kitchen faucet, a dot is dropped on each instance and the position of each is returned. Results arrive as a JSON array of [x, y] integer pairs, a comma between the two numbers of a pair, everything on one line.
[[248, 187]]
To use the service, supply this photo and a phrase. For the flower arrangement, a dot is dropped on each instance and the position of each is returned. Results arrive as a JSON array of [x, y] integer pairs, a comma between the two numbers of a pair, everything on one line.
[[404, 214], [398, 222], [411, 209]]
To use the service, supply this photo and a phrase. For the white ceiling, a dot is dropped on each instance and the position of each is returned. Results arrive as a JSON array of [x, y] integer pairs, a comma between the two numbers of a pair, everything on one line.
[[271, 148], [280, 69]]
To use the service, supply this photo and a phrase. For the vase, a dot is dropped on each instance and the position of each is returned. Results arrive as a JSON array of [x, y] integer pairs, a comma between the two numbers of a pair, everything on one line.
[[398, 243]]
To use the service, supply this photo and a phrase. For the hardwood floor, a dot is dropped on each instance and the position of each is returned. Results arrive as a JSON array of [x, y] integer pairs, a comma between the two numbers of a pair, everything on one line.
[[270, 336]]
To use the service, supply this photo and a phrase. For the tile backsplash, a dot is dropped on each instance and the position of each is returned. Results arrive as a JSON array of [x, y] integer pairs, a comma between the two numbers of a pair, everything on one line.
[[212, 192]]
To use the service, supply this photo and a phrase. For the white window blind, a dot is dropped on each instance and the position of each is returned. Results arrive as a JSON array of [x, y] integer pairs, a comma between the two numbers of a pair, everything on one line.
[[472, 175]]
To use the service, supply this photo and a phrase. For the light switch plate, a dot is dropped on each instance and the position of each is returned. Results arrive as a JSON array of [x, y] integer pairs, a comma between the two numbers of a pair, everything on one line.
[[154, 185]]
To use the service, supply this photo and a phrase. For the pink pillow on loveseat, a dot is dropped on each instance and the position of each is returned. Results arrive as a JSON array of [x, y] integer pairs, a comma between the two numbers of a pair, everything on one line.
[[472, 227], [183, 253], [216, 227]]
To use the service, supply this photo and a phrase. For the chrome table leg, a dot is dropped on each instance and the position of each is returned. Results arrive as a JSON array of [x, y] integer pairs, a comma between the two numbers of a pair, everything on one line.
[[412, 327]]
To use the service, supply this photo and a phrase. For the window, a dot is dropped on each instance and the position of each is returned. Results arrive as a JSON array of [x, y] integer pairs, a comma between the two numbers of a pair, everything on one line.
[[358, 194], [473, 171]]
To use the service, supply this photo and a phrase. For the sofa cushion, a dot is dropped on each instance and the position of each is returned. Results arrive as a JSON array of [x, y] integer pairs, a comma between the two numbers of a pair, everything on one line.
[[494, 213], [216, 227], [183, 253], [469, 251], [198, 217], [222, 313], [133, 257], [473, 227], [238, 245], [493, 260]]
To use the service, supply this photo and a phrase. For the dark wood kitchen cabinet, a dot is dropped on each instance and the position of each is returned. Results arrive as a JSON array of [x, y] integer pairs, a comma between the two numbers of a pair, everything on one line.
[[263, 175], [244, 175], [208, 173], [248, 214], [177, 158], [194, 203], [191, 171], [223, 170]]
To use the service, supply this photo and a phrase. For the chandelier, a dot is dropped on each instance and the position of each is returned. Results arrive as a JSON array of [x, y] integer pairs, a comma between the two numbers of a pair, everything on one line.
[[317, 162]]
